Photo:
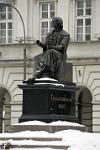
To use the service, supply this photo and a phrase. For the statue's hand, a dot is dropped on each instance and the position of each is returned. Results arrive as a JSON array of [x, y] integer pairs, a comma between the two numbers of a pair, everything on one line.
[[38, 42]]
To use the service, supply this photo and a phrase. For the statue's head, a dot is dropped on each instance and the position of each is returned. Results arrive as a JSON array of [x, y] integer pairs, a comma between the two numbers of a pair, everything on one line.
[[57, 21]]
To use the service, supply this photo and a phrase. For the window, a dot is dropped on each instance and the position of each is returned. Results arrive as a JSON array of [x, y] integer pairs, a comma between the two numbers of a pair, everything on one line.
[[47, 12], [5, 24], [83, 20]]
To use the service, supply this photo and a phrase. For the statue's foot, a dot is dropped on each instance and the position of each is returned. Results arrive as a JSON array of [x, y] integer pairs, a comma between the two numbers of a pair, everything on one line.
[[29, 81]]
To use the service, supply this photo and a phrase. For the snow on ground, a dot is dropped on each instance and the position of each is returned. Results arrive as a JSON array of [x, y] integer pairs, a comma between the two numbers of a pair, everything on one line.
[[33, 149], [76, 140]]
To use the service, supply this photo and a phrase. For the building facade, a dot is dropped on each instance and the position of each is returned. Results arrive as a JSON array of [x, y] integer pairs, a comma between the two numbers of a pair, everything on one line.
[[81, 20]]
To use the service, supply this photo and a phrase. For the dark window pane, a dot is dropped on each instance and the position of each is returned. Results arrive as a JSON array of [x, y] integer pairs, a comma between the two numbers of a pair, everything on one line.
[[88, 11], [88, 3], [2, 33], [44, 24], [52, 6], [87, 37], [79, 29], [2, 16], [88, 29], [51, 27], [2, 8], [79, 12], [10, 33], [9, 9], [51, 24], [9, 25], [80, 22], [52, 14], [44, 7], [10, 40], [2, 40], [80, 4], [2, 25], [9, 15], [43, 38], [44, 14], [87, 22], [79, 37], [44, 32]]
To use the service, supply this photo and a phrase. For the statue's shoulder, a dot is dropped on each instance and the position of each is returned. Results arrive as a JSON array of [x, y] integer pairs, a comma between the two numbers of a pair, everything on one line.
[[64, 33]]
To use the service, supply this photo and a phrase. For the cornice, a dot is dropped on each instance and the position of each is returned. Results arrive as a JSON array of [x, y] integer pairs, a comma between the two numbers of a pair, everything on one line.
[[14, 63]]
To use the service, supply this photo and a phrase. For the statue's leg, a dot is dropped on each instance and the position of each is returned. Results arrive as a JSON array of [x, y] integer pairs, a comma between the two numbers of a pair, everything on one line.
[[38, 65], [45, 64], [53, 61], [38, 68]]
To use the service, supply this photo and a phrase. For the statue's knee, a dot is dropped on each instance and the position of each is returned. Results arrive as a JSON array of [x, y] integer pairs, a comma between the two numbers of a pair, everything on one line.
[[64, 72]]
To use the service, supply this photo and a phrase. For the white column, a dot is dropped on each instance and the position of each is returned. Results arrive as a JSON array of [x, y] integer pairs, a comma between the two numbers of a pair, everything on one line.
[[63, 12], [97, 20], [21, 5], [30, 21]]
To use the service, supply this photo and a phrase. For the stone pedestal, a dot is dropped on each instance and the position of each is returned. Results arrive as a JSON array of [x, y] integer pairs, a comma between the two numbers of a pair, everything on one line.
[[48, 101], [48, 127]]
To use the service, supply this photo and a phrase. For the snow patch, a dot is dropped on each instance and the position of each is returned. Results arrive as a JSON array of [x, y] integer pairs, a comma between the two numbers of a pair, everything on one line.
[[56, 123]]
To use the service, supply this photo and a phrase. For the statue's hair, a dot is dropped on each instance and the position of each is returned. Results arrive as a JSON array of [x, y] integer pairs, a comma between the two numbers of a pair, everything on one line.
[[59, 21]]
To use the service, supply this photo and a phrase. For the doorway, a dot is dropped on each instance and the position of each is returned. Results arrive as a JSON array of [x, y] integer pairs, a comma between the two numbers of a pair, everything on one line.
[[5, 110], [85, 108]]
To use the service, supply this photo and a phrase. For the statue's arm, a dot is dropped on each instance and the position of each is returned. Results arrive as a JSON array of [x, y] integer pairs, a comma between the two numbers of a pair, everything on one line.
[[63, 44], [58, 47], [39, 43]]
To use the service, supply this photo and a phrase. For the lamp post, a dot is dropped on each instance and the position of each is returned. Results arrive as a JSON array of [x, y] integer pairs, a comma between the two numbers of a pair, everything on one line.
[[24, 52]]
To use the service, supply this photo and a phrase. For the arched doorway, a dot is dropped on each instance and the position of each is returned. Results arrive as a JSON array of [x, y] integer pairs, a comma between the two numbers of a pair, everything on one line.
[[85, 108], [5, 110]]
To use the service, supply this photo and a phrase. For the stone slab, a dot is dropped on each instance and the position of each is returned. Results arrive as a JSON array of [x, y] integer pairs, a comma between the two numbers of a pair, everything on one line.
[[32, 138], [50, 128]]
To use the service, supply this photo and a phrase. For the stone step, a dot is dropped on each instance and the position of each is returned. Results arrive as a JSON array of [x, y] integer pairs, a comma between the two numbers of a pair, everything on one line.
[[33, 146], [51, 128], [38, 144], [37, 134], [31, 138]]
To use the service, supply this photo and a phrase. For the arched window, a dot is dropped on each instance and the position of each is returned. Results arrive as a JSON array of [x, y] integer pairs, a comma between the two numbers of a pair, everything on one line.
[[5, 110], [85, 108]]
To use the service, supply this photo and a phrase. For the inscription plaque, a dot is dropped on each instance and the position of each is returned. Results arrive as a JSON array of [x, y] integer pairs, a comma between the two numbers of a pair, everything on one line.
[[62, 103]]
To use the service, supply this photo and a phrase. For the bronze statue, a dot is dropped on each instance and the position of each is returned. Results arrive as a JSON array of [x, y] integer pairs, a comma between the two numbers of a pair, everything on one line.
[[54, 51]]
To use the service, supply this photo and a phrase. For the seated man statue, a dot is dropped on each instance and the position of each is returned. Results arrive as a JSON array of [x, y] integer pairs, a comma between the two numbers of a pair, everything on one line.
[[54, 51]]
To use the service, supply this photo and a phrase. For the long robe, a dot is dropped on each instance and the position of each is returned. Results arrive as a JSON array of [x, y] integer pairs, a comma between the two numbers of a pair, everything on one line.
[[47, 63]]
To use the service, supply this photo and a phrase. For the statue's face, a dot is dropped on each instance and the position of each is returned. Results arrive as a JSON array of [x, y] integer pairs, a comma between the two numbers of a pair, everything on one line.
[[54, 23]]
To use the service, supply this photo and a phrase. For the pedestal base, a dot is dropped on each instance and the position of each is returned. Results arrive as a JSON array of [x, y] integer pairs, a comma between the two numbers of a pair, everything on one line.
[[48, 127], [48, 101]]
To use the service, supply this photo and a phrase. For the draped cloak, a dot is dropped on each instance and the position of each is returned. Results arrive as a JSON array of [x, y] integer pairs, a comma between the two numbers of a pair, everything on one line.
[[48, 62]]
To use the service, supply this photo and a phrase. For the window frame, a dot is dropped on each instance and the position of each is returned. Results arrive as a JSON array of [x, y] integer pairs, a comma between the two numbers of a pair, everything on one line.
[[84, 17], [7, 21], [46, 19]]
